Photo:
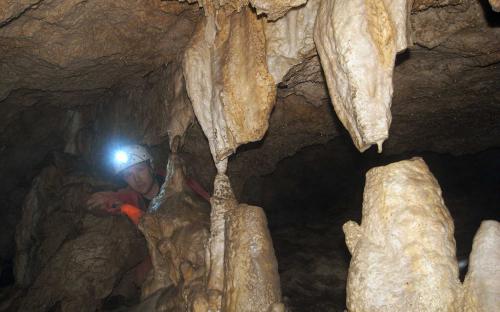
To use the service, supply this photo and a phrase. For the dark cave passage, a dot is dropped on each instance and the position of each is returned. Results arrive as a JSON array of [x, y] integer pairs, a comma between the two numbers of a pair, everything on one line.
[[312, 194]]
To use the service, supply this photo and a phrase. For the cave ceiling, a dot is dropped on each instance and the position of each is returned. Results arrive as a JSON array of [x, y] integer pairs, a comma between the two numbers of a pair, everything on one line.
[[71, 55]]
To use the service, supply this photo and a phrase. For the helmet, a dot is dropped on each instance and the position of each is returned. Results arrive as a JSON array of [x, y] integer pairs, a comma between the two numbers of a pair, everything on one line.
[[128, 156]]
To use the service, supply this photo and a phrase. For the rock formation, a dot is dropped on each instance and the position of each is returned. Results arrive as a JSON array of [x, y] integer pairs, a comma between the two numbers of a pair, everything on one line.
[[64, 255], [403, 253], [482, 283], [81, 75], [176, 230], [495, 4], [289, 40], [357, 52], [230, 112]]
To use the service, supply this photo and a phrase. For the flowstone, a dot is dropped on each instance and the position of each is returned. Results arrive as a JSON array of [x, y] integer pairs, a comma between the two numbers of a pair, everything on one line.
[[403, 253]]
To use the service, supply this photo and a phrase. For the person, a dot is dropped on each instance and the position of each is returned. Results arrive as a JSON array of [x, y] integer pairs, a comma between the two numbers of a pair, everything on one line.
[[133, 163]]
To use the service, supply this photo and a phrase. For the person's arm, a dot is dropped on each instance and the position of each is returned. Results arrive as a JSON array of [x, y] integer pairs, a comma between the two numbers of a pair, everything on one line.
[[124, 202], [104, 203]]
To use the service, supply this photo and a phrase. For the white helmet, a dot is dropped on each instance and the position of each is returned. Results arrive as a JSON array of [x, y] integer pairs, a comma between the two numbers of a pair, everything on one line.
[[128, 156]]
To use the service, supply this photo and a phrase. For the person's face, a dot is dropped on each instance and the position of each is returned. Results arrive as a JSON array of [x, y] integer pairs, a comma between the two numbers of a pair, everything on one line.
[[139, 177]]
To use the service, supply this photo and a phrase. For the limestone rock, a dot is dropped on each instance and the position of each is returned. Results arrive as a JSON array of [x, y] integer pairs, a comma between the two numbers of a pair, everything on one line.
[[223, 201], [419, 5], [435, 26], [289, 40], [252, 281], [495, 5], [403, 253], [357, 43], [64, 254], [85, 270], [176, 230], [482, 283], [273, 9], [230, 111]]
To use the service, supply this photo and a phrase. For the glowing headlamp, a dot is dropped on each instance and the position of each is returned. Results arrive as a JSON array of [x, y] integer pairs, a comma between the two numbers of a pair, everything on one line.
[[121, 157]]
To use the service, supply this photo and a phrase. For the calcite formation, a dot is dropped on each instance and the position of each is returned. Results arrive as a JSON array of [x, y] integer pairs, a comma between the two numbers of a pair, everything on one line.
[[231, 111], [176, 230], [289, 40], [403, 253], [357, 43], [495, 4], [273, 9], [482, 283], [222, 202], [251, 270]]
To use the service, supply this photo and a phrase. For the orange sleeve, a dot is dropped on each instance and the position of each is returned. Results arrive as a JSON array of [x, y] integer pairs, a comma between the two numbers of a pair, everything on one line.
[[132, 212]]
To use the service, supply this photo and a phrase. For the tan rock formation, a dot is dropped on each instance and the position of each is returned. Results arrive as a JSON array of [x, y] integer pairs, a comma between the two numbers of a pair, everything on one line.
[[482, 283], [252, 282], [289, 40], [231, 111], [357, 52], [403, 254], [273, 9], [222, 202], [495, 5], [176, 231]]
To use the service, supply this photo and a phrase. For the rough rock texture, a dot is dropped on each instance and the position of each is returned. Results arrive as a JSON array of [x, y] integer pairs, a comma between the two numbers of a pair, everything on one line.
[[85, 270], [222, 202], [482, 283], [289, 40], [495, 4], [273, 9], [231, 112], [420, 5], [51, 213], [177, 230], [434, 26], [251, 272], [403, 254], [64, 255], [357, 52]]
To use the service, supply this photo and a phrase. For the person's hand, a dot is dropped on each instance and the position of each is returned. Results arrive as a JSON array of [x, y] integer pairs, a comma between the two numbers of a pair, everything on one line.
[[104, 201]]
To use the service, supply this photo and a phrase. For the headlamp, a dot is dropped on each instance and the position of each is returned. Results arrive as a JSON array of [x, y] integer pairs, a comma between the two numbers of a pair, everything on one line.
[[121, 157]]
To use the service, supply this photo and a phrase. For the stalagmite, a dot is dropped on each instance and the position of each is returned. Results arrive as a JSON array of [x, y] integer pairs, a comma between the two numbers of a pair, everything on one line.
[[482, 283], [357, 41], [231, 111], [252, 280], [233, 93], [403, 253], [222, 202], [289, 40]]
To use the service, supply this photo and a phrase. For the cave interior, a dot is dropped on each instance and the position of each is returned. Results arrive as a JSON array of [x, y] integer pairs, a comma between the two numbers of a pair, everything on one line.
[[80, 78]]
